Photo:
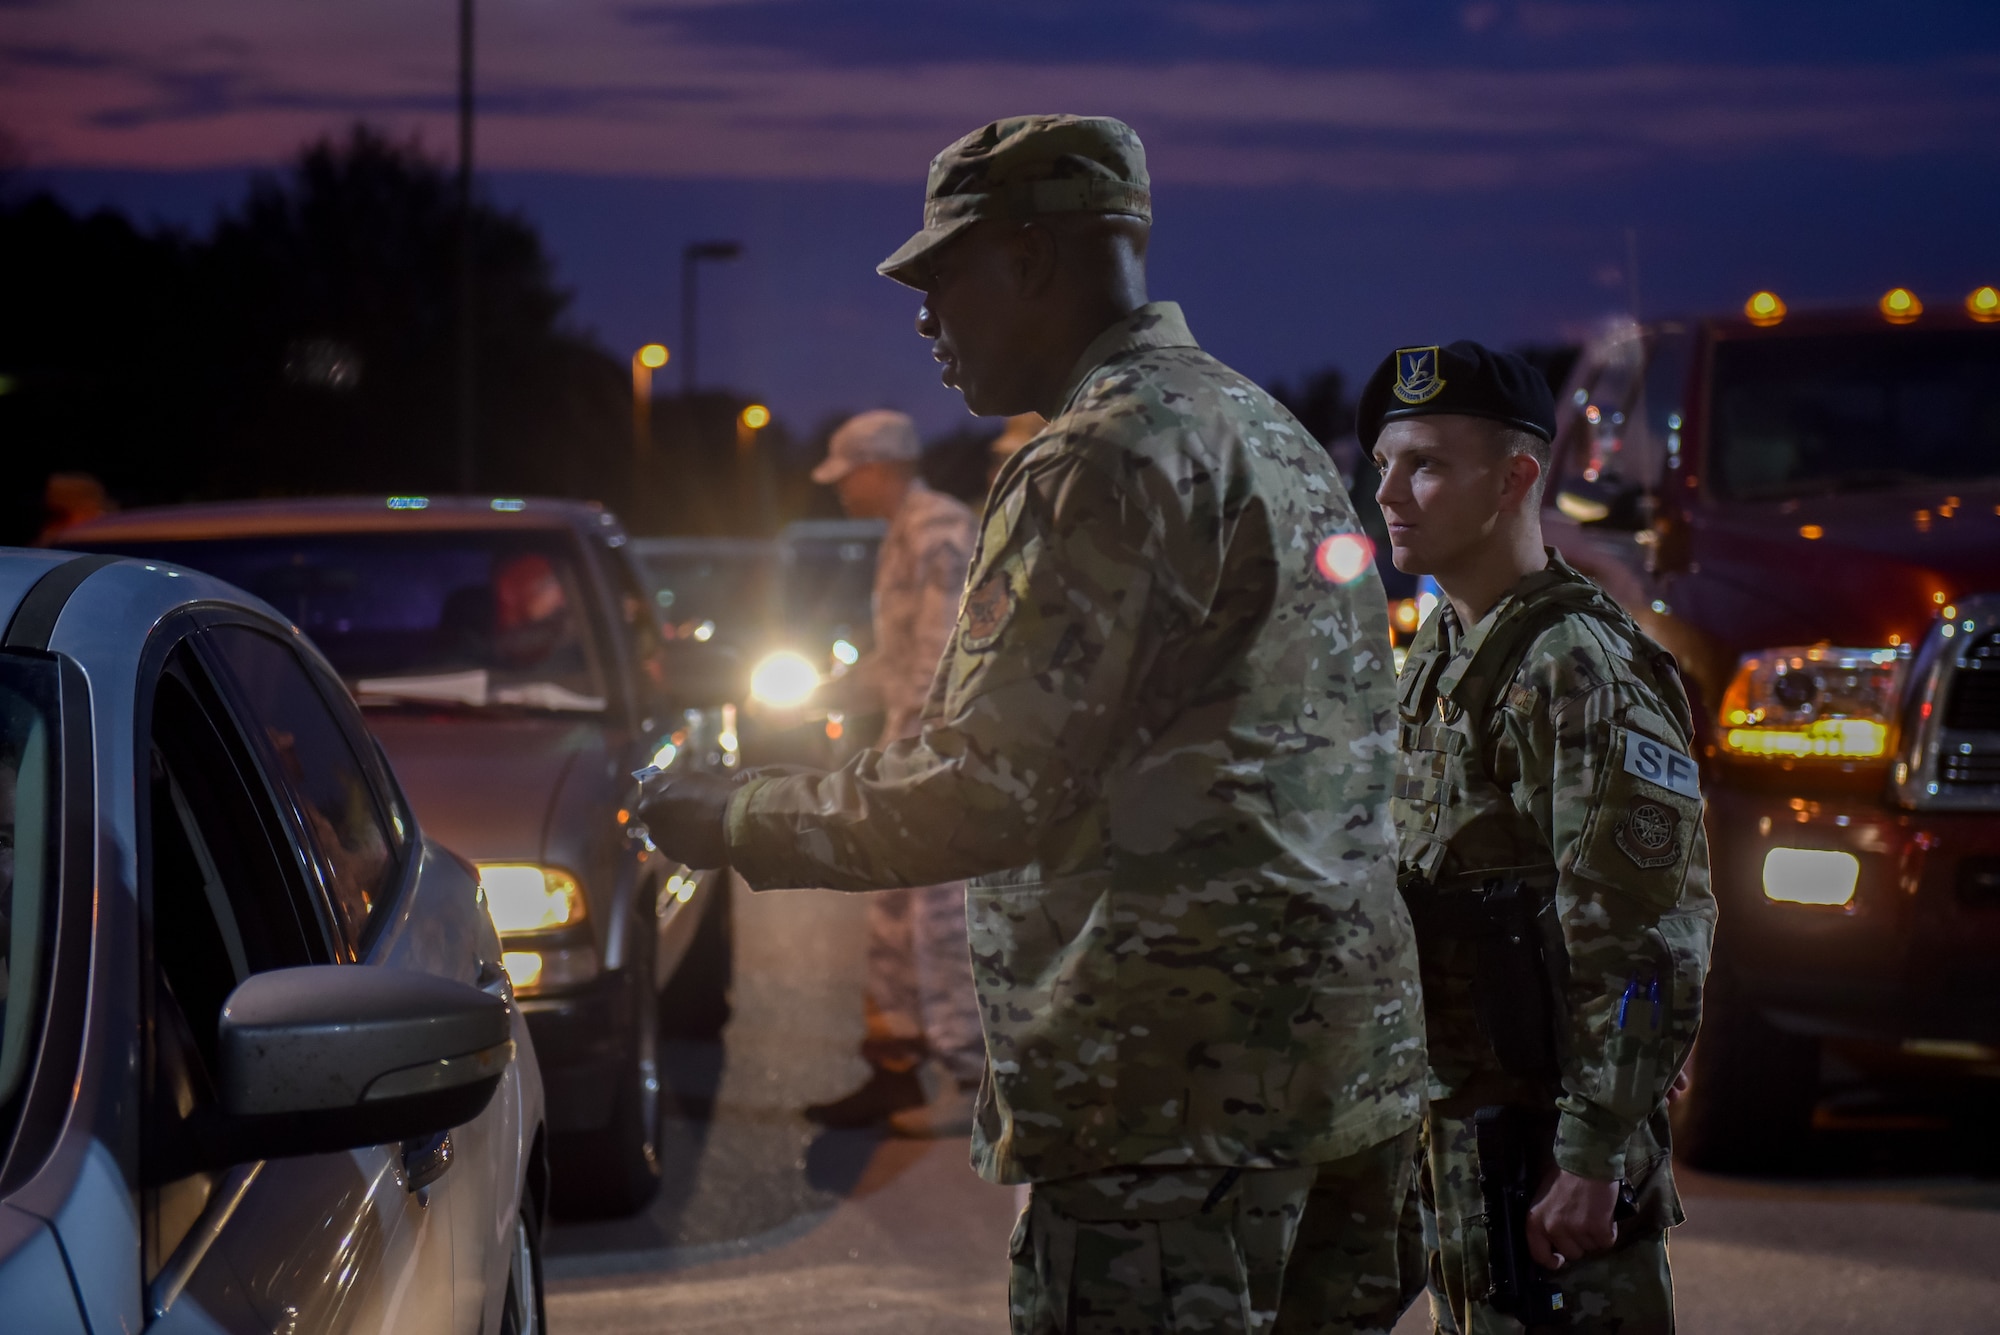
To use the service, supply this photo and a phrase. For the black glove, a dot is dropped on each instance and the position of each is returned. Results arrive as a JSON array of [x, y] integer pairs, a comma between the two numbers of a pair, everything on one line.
[[686, 815]]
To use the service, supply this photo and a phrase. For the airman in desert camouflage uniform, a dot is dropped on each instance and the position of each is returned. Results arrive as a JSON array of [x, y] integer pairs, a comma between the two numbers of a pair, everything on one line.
[[918, 1004], [1162, 743], [1546, 741]]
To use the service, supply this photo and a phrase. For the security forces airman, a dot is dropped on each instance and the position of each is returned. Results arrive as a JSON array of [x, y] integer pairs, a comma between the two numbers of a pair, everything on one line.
[[1551, 849]]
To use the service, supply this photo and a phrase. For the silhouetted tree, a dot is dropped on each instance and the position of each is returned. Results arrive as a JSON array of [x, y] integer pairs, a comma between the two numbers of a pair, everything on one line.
[[1320, 402], [336, 284], [306, 346], [959, 464], [100, 362]]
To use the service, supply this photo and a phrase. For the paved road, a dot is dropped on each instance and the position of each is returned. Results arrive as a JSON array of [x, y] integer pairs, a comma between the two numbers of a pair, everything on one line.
[[767, 1225]]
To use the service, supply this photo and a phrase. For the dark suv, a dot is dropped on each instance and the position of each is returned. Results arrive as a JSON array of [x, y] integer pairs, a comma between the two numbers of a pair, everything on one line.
[[508, 658], [1805, 508]]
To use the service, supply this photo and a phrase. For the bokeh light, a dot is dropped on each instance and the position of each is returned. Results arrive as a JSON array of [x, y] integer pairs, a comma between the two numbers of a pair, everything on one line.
[[1342, 557]]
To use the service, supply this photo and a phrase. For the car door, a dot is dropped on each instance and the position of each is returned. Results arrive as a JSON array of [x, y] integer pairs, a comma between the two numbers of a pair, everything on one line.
[[371, 868], [234, 883]]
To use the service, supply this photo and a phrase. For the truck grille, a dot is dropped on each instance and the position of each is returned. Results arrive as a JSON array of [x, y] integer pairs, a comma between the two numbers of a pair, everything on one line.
[[1974, 703], [1949, 757], [1967, 765]]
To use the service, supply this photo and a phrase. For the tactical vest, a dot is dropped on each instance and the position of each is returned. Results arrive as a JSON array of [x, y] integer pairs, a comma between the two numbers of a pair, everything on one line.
[[1445, 720], [1493, 887]]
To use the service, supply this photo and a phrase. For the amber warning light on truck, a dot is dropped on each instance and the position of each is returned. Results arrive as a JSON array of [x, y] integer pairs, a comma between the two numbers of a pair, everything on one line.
[[1899, 305], [1764, 309]]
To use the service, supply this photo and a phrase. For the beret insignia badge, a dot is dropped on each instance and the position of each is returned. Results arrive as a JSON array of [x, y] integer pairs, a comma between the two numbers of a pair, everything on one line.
[[1417, 379], [1650, 834]]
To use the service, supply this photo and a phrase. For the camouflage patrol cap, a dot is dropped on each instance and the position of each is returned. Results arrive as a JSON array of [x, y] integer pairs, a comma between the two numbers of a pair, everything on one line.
[[1024, 166]]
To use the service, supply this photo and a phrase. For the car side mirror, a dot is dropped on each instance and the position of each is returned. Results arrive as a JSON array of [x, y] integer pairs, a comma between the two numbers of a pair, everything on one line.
[[334, 1057], [701, 674]]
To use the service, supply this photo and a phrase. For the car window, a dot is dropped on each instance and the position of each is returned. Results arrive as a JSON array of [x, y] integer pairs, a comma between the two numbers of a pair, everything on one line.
[[467, 619], [829, 587], [306, 751], [643, 632], [721, 589], [223, 896], [28, 809]]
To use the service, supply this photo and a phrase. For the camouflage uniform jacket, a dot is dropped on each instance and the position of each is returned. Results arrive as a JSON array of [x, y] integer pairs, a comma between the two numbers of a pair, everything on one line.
[[1581, 784], [1163, 742], [919, 577]]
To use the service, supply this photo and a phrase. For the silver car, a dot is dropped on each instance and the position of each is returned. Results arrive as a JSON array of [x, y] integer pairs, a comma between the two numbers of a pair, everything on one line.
[[508, 658], [260, 1063]]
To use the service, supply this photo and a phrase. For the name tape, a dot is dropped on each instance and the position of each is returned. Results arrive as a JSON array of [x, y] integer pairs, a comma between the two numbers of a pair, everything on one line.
[[1657, 763]]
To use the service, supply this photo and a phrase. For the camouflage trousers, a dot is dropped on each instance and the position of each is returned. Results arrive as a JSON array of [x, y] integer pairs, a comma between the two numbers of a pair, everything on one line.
[[1256, 1251], [1625, 1291], [919, 1000]]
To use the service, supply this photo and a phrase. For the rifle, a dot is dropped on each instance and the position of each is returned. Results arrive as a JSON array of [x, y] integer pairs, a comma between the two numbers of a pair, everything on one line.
[[1511, 1150], [1514, 1148], [1514, 984]]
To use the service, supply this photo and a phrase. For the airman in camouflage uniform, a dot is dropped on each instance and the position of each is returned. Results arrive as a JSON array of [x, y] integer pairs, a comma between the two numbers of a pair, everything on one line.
[[919, 1001], [1162, 743], [1548, 743]]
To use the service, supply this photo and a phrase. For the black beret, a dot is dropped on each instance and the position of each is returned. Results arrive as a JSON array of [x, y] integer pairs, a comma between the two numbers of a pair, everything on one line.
[[1462, 378]]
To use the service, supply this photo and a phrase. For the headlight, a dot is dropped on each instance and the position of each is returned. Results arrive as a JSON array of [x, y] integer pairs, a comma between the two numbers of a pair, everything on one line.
[[1811, 876], [534, 971], [524, 897], [1814, 703], [783, 679]]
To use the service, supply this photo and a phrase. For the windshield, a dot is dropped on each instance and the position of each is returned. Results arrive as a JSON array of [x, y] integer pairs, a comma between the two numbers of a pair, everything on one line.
[[444, 618], [27, 862], [723, 584], [830, 585], [1842, 412]]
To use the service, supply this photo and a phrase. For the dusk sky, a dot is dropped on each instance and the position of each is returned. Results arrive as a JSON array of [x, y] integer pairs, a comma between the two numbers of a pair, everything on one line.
[[1331, 178]]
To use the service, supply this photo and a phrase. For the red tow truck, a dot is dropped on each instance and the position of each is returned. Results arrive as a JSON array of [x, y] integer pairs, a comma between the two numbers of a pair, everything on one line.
[[1805, 508]]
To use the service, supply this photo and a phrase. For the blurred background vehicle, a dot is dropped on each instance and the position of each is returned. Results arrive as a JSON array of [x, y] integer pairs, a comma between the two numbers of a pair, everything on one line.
[[260, 1064], [507, 654], [796, 608], [1805, 508]]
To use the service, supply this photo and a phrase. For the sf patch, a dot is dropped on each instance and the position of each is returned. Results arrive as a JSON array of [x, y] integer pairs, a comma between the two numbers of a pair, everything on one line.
[[1650, 834], [988, 609], [1643, 821], [1417, 379]]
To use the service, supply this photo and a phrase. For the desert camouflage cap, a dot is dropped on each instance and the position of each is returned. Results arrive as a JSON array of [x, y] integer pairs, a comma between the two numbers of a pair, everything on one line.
[[1023, 166]]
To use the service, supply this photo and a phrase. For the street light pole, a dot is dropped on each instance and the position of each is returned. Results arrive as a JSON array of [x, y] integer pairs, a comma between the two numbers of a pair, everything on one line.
[[644, 362], [468, 401], [692, 254], [754, 418]]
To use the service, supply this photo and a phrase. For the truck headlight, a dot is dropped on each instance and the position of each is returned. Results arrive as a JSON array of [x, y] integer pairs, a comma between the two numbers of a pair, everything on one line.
[[1811, 876], [1813, 703], [783, 680], [526, 897]]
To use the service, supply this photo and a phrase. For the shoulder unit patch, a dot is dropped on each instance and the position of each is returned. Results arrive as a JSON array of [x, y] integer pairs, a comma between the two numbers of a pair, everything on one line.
[[988, 609], [1649, 833]]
